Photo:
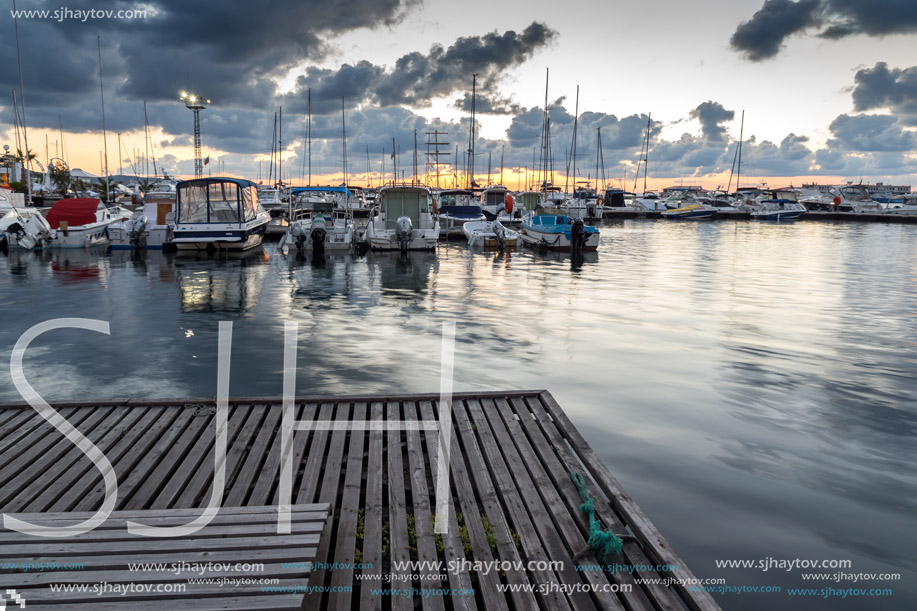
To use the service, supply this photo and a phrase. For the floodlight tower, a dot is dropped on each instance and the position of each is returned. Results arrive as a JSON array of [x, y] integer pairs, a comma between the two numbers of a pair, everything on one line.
[[196, 103]]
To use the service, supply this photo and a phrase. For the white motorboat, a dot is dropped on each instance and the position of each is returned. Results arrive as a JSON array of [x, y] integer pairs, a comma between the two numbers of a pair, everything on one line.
[[149, 228], [79, 223], [455, 208], [405, 220], [318, 230], [491, 234], [218, 213], [493, 201]]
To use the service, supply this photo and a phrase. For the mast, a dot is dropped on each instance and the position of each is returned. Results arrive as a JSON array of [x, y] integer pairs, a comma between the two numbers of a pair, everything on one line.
[[741, 137], [310, 135], [394, 164], [369, 175], [104, 133], [270, 167], [573, 149], [120, 156], [415, 178], [474, 83], [60, 123], [280, 151], [546, 139], [599, 155], [25, 136], [646, 157], [502, 151], [344, 140]]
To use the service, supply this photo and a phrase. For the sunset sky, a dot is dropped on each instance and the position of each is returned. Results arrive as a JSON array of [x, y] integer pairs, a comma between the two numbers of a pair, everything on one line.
[[828, 87]]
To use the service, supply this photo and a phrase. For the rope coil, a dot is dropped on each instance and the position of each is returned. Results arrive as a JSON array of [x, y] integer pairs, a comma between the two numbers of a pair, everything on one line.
[[604, 544]]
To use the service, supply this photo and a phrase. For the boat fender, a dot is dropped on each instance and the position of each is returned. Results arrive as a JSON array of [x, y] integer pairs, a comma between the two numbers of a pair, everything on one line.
[[508, 203], [837, 200]]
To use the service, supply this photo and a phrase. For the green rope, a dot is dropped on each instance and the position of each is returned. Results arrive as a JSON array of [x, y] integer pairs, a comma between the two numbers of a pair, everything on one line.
[[603, 544]]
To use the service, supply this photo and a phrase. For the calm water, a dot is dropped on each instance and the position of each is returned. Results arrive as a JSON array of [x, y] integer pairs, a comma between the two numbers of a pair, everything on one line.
[[752, 386]]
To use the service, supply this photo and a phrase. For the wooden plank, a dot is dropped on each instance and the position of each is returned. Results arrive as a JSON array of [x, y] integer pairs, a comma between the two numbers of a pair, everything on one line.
[[269, 476], [169, 469], [364, 398], [198, 489], [572, 538], [315, 457], [192, 512], [397, 509], [346, 530], [300, 443], [515, 484], [488, 501], [372, 512], [165, 543], [331, 480], [658, 549], [250, 471], [420, 501], [42, 442], [453, 549], [57, 489], [560, 461]]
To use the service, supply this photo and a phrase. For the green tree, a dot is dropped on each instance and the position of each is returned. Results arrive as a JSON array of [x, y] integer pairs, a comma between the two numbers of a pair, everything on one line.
[[21, 158], [60, 176]]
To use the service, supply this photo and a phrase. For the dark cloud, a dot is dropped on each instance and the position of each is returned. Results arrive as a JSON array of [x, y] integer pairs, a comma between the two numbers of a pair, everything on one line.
[[711, 114], [870, 133], [762, 36], [487, 105], [880, 88]]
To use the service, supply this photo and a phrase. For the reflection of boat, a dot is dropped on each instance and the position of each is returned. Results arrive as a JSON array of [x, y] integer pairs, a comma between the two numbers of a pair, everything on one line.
[[224, 285], [559, 232], [403, 271], [491, 234], [78, 266], [691, 212], [405, 220], [221, 213]]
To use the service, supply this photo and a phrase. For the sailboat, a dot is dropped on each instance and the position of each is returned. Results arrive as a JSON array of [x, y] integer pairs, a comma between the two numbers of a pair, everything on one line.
[[584, 203]]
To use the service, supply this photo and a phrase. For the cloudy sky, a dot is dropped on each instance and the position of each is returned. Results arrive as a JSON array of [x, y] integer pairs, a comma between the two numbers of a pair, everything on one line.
[[828, 87]]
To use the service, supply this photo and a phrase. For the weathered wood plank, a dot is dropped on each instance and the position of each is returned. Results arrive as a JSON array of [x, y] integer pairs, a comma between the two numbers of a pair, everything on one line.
[[315, 457], [251, 468], [554, 452], [658, 549], [372, 512], [397, 509], [420, 501]]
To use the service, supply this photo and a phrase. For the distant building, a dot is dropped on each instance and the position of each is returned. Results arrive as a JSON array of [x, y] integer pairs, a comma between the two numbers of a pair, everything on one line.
[[877, 189]]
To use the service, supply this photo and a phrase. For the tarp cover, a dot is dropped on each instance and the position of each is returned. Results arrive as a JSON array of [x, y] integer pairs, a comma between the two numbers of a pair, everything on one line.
[[77, 211]]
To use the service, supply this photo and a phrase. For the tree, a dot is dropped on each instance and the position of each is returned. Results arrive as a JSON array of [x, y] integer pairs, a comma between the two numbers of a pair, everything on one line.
[[21, 158], [60, 176]]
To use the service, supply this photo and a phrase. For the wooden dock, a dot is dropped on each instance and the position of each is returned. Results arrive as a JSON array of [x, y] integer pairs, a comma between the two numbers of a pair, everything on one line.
[[512, 497]]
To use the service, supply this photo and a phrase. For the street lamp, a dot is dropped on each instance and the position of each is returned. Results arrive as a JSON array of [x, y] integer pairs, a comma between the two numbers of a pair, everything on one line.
[[196, 103]]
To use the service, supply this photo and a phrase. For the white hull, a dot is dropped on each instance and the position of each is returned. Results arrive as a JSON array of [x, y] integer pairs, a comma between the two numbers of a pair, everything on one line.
[[484, 233]]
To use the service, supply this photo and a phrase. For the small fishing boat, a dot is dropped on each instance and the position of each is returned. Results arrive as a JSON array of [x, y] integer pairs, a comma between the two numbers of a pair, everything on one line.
[[691, 212], [405, 220], [148, 228], [218, 213], [491, 234], [320, 229], [559, 232]]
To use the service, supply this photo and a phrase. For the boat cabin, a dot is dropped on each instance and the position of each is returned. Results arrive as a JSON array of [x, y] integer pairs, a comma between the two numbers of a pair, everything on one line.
[[412, 202], [217, 200]]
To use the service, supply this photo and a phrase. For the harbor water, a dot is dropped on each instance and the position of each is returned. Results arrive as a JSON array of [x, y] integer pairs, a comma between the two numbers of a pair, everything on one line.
[[751, 385]]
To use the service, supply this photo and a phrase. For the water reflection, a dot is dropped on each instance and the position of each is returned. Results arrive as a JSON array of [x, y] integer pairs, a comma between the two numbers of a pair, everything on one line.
[[230, 284]]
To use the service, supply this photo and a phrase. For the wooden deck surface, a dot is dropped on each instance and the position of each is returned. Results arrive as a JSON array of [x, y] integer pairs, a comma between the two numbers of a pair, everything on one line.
[[512, 498]]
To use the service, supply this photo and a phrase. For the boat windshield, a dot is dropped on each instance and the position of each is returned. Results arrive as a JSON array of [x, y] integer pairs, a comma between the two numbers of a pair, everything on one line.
[[403, 203]]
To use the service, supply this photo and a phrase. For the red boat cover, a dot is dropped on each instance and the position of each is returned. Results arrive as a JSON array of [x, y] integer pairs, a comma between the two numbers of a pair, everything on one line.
[[77, 211]]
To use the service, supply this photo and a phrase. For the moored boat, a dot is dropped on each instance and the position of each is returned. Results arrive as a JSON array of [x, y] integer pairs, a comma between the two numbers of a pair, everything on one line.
[[690, 212], [559, 232], [218, 213], [491, 234], [405, 220]]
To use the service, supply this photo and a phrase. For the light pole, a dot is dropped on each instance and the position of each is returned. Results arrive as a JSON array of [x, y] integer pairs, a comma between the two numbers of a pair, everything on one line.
[[196, 103]]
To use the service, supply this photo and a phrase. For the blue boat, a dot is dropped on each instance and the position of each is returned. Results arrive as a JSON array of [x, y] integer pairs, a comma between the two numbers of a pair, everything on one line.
[[559, 232]]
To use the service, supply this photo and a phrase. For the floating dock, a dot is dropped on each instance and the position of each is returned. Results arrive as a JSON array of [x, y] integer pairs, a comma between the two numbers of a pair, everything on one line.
[[511, 498]]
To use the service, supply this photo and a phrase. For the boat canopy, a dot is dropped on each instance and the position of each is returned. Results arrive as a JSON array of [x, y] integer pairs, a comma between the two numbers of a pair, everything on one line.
[[217, 200], [472, 212], [75, 212], [404, 201], [301, 190]]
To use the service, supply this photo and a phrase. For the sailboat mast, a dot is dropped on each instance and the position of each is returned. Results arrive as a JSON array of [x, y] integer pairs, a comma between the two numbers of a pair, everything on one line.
[[344, 140], [474, 83], [104, 132], [280, 151], [741, 137], [573, 149], [25, 136], [502, 153], [63, 152], [369, 175]]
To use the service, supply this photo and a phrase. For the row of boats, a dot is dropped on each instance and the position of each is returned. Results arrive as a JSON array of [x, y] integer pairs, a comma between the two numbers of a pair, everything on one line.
[[232, 214]]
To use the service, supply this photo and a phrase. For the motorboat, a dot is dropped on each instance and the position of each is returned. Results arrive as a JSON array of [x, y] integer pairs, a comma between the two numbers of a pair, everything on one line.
[[691, 212], [149, 228], [779, 205], [559, 232], [491, 234], [270, 199], [456, 207], [404, 221], [584, 204], [493, 201], [320, 229], [844, 198], [218, 213]]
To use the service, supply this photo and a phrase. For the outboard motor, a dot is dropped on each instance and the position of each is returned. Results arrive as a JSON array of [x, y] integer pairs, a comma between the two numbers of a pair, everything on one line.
[[500, 232], [404, 232], [36, 231], [318, 241], [137, 231], [578, 235], [299, 235]]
